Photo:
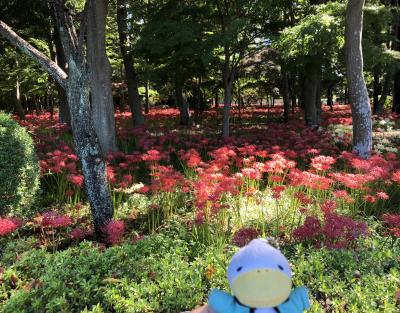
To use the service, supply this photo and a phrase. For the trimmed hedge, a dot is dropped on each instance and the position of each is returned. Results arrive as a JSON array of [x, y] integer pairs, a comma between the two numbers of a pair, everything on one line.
[[19, 169]]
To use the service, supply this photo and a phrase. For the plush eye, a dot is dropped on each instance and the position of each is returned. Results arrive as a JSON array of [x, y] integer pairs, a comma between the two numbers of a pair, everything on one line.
[[280, 267], [239, 269]]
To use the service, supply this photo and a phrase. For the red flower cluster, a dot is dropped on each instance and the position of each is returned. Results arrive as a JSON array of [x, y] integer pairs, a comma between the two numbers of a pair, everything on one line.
[[114, 231], [310, 180], [9, 225], [243, 236], [393, 222], [52, 219], [79, 233], [322, 163], [334, 231]]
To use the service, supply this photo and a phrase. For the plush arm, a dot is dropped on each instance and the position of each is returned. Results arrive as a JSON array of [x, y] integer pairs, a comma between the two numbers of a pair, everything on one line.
[[298, 301], [222, 302]]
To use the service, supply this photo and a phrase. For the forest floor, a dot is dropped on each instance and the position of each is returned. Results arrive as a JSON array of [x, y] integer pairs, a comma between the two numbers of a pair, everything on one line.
[[185, 200]]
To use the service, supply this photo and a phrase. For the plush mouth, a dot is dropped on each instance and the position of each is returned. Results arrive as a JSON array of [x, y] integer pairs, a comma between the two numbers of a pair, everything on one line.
[[261, 288]]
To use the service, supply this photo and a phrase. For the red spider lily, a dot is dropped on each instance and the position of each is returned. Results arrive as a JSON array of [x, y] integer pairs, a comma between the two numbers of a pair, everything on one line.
[[393, 222], [114, 231], [144, 189], [369, 198], [396, 177], [77, 180], [335, 231], [328, 206], [192, 157], [165, 178], [382, 195], [52, 219], [322, 163], [9, 225], [352, 181], [111, 175], [78, 233], [303, 198], [277, 191], [313, 181], [243, 236], [127, 179], [341, 194], [311, 229], [152, 155], [279, 164], [251, 173]]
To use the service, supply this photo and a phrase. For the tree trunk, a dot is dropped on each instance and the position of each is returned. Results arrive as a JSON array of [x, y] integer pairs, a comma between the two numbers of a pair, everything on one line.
[[360, 106], [285, 93], [181, 103], [228, 76], [318, 101], [146, 98], [375, 91], [396, 46], [17, 103], [385, 91], [63, 110], [310, 92], [100, 77], [329, 97], [396, 93], [227, 108], [87, 146], [130, 73]]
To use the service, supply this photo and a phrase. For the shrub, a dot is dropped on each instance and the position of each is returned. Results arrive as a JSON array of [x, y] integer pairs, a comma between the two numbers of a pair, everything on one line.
[[19, 169], [153, 275]]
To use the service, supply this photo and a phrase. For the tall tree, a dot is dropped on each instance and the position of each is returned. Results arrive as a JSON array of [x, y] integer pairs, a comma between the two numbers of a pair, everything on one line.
[[100, 77], [238, 29], [396, 46], [76, 85], [359, 100], [131, 76]]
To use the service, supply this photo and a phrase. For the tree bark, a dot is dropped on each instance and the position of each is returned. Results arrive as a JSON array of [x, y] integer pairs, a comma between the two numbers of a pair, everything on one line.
[[17, 105], [146, 98], [310, 94], [359, 100], [396, 93], [181, 103], [375, 91], [396, 46], [285, 93], [385, 91], [87, 146], [63, 110], [100, 77], [130, 73], [228, 74], [318, 101], [329, 97]]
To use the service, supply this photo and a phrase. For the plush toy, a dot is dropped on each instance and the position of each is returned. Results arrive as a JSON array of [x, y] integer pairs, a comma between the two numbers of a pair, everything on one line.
[[260, 278]]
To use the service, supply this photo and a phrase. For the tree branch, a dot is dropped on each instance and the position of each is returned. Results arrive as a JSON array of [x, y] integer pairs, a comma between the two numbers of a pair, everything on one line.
[[48, 65]]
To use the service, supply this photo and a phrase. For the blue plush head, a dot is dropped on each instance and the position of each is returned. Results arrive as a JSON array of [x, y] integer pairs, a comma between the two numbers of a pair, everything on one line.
[[260, 275]]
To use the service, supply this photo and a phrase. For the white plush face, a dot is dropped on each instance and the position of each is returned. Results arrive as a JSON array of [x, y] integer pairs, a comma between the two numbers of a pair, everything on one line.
[[260, 275]]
